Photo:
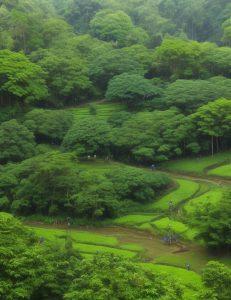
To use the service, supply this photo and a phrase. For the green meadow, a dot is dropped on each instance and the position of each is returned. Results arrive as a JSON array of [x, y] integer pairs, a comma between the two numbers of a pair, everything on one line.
[[223, 171], [89, 243], [197, 165]]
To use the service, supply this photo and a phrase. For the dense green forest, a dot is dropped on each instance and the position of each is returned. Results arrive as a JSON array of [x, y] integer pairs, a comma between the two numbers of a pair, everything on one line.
[[115, 116]]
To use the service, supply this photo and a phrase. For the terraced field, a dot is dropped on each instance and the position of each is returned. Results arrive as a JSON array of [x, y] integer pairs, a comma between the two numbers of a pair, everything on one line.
[[89, 243], [199, 165], [223, 171], [102, 110], [190, 280], [139, 235], [159, 219], [184, 191], [199, 203]]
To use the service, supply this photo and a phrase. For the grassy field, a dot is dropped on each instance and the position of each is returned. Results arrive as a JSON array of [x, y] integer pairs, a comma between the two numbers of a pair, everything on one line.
[[165, 224], [185, 190], [223, 171], [91, 249], [199, 203], [78, 237], [134, 219], [89, 243], [153, 223], [100, 166], [190, 280], [103, 110], [197, 165]]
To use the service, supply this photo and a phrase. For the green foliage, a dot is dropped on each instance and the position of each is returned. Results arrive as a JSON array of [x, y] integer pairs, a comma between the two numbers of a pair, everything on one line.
[[67, 75], [217, 60], [144, 140], [105, 272], [215, 223], [16, 142], [213, 119], [131, 89], [79, 13], [217, 278], [137, 185], [53, 183], [55, 31], [48, 125], [200, 20], [112, 26], [117, 27], [61, 53], [20, 79], [105, 63], [48, 180], [31, 269], [223, 171], [178, 58], [226, 26], [188, 95], [88, 136]]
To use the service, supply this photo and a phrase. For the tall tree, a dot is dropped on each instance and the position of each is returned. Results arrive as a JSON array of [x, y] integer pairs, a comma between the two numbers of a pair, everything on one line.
[[214, 120], [20, 79]]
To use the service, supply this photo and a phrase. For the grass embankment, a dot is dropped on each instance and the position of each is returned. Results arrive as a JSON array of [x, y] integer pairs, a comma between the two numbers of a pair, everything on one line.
[[134, 219], [102, 110], [153, 222], [200, 203], [89, 243], [222, 171], [198, 165], [190, 281], [185, 190]]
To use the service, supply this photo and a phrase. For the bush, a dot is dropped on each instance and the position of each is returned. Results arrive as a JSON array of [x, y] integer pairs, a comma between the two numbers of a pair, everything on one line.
[[131, 89], [48, 125], [137, 185], [88, 136], [16, 142], [54, 184]]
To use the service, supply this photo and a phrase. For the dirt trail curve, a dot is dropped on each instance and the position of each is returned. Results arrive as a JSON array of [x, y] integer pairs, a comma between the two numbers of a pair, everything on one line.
[[203, 178], [219, 181]]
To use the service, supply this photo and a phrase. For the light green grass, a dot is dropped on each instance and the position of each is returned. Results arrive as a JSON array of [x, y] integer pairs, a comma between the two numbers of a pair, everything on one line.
[[190, 234], [103, 110], [87, 256], [185, 190], [165, 224], [197, 165], [223, 171], [87, 242], [199, 203], [133, 219], [86, 248], [77, 236], [146, 227], [132, 247], [190, 280], [100, 166]]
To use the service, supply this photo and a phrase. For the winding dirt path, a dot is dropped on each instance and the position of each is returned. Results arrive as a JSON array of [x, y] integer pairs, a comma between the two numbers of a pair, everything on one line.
[[203, 178]]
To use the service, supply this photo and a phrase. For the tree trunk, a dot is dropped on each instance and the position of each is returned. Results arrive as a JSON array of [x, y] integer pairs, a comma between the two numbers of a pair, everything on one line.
[[217, 139], [212, 145]]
